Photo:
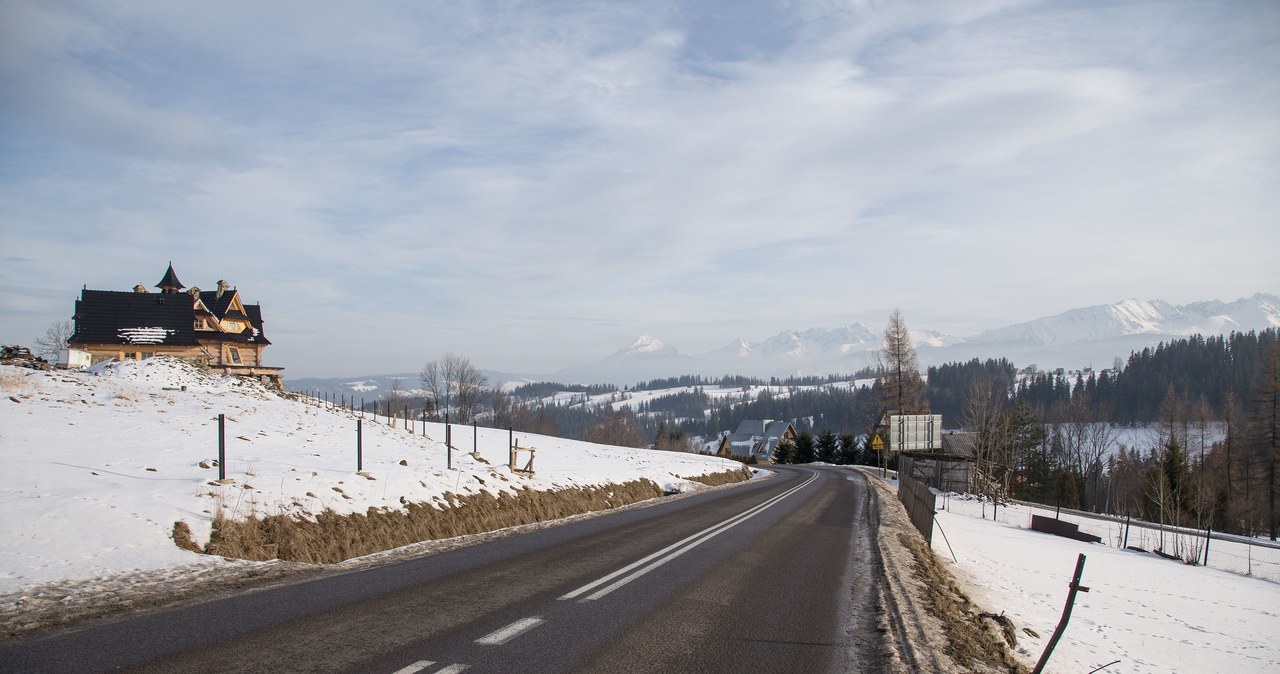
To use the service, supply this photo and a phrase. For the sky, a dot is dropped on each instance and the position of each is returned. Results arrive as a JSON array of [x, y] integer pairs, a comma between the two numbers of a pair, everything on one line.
[[533, 185]]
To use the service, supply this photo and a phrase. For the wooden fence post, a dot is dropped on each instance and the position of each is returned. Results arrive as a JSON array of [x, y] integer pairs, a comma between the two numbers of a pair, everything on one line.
[[1066, 615]]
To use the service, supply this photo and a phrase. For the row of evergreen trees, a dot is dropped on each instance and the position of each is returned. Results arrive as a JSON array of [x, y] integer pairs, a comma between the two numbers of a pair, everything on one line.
[[827, 447]]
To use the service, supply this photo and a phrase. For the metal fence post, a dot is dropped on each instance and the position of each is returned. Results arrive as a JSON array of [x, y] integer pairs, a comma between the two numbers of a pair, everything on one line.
[[448, 446], [359, 445], [1208, 535], [222, 446]]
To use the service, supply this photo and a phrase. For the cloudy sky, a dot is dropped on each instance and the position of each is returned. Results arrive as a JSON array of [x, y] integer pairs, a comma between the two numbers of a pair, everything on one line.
[[534, 184]]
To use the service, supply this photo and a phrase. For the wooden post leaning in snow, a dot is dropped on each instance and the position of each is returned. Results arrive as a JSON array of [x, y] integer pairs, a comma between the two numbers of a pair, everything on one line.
[[515, 459], [1066, 615]]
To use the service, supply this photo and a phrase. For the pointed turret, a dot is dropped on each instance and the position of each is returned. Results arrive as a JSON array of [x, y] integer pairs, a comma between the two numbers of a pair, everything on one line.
[[170, 282]]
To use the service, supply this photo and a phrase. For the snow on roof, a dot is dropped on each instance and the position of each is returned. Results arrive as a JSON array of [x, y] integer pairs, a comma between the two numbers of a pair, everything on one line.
[[143, 335]]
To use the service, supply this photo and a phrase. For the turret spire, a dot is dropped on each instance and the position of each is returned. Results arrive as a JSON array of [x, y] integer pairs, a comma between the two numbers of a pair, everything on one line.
[[170, 282]]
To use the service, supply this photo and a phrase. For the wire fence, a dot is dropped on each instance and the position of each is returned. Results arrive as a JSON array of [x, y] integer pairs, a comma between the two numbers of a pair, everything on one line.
[[1246, 556]]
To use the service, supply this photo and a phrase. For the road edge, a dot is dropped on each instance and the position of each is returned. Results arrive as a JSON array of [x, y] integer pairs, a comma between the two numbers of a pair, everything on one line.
[[923, 636]]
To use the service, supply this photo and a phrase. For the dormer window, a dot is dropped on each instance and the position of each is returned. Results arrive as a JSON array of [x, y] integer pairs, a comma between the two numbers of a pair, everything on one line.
[[200, 324]]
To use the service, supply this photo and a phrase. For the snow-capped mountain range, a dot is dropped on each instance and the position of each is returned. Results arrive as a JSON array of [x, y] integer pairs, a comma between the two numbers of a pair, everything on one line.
[[1079, 338], [1087, 337]]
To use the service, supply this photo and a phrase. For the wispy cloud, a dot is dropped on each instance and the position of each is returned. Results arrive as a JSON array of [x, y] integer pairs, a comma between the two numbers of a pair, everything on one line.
[[451, 178]]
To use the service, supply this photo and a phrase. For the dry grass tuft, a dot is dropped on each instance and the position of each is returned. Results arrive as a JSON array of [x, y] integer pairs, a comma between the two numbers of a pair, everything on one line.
[[12, 381], [971, 640], [727, 477], [331, 538], [182, 537]]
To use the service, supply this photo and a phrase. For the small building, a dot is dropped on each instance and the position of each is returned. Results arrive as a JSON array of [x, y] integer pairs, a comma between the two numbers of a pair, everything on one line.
[[74, 359], [212, 329], [756, 437]]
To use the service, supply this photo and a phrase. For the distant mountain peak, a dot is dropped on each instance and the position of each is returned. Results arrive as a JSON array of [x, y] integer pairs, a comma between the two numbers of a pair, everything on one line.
[[647, 344], [1132, 317]]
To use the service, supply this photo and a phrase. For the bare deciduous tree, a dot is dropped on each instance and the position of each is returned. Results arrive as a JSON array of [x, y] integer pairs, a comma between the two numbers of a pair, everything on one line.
[[1085, 439], [456, 386], [620, 429], [983, 416], [502, 405], [54, 339]]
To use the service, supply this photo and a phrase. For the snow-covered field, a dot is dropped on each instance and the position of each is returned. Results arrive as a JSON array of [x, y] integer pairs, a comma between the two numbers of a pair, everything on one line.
[[1149, 613], [99, 465]]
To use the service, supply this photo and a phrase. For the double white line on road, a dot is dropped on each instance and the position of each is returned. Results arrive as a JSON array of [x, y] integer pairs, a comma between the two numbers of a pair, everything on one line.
[[674, 550]]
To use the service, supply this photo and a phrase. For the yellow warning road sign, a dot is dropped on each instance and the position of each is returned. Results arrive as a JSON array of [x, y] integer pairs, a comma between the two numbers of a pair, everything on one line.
[[876, 443]]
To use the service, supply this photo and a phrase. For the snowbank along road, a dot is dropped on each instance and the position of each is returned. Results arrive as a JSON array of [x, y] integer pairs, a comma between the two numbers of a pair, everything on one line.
[[773, 575]]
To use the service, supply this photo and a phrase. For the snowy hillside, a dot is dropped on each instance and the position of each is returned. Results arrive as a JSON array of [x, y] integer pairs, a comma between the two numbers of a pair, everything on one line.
[[101, 464], [1139, 317], [1096, 336], [1142, 613]]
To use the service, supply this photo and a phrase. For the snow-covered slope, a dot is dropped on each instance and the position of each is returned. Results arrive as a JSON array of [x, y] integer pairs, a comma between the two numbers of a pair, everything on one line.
[[1140, 317], [645, 358], [1096, 336], [1142, 613], [99, 465]]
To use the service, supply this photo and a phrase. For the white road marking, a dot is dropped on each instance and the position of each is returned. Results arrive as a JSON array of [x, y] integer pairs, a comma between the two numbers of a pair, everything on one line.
[[676, 549], [510, 632], [452, 669], [415, 667]]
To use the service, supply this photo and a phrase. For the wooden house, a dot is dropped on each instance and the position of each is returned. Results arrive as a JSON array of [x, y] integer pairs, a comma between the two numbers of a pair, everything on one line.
[[213, 329], [756, 437]]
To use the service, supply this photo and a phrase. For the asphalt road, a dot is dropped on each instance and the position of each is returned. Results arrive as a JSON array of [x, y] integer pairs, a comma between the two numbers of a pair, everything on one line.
[[776, 575]]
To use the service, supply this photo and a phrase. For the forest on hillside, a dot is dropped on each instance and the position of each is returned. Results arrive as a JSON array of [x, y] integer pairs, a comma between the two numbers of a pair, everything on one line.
[[1050, 437]]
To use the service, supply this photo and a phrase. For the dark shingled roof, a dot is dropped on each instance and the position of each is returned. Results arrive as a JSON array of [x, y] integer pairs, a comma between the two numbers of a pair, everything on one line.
[[220, 305], [111, 317]]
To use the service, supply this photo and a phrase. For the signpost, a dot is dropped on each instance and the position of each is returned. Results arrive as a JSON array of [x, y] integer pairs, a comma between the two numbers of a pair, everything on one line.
[[877, 445]]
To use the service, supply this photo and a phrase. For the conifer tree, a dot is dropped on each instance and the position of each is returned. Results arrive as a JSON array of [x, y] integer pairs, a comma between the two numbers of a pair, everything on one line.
[[784, 452], [850, 452], [828, 447], [902, 387], [806, 450]]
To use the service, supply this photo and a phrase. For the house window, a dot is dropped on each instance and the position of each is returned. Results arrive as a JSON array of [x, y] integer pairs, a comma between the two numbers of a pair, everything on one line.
[[199, 324], [235, 355]]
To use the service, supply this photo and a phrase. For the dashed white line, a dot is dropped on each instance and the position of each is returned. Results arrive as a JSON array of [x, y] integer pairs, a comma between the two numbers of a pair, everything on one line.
[[515, 629], [415, 667], [423, 664], [676, 549]]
